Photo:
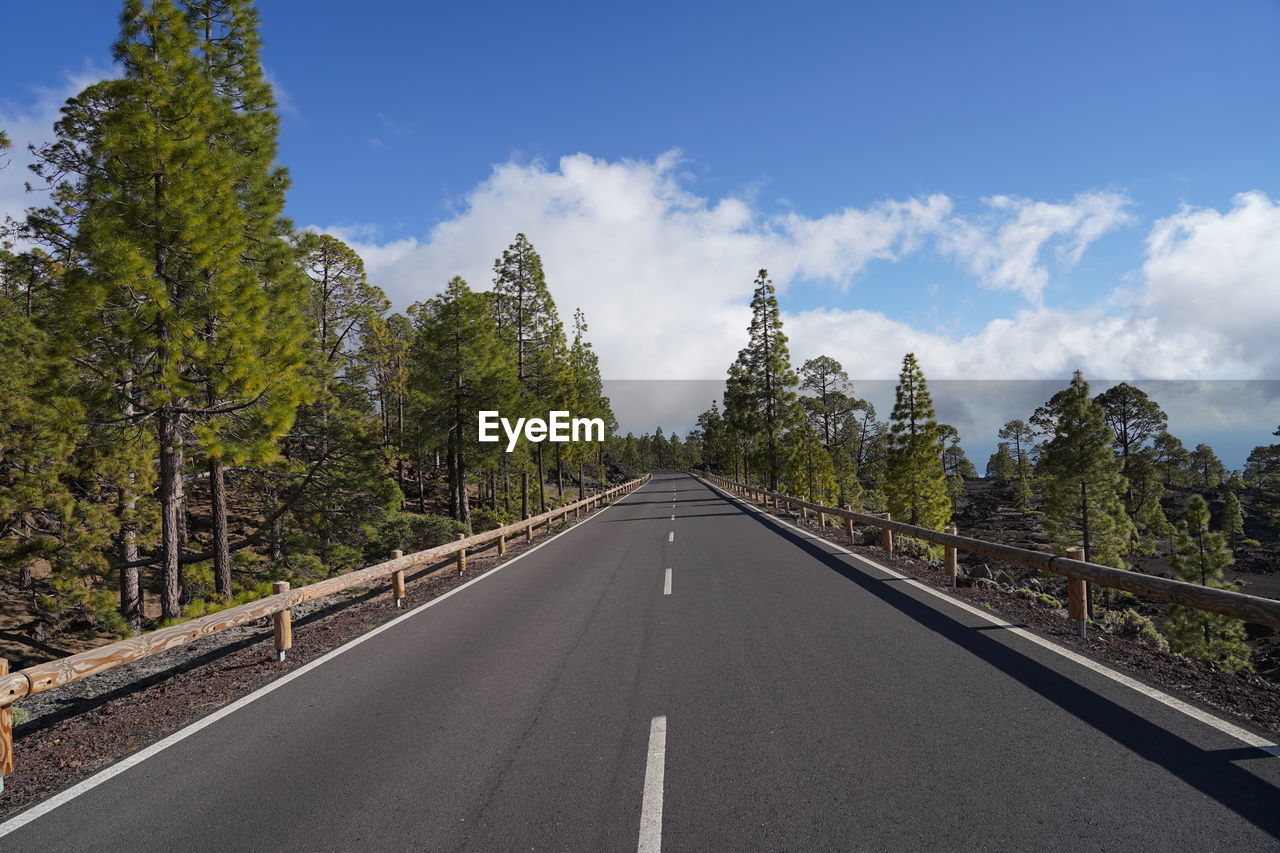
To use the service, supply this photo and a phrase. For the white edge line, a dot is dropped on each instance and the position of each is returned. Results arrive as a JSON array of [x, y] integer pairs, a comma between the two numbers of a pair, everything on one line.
[[40, 809], [666, 584], [651, 803], [1227, 728]]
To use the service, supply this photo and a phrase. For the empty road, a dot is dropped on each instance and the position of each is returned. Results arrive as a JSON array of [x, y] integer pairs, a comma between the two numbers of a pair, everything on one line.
[[682, 673]]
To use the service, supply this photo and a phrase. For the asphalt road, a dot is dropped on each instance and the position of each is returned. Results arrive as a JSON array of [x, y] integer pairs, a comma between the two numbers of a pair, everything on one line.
[[782, 696]]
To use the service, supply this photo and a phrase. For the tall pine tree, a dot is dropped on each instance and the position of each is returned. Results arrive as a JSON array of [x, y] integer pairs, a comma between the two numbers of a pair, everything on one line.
[[915, 480], [1200, 556], [1083, 485], [170, 213], [530, 327], [459, 367], [760, 399]]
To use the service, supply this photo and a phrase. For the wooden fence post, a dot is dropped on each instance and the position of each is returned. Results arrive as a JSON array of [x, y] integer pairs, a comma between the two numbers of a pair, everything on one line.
[[528, 533], [949, 560], [502, 544], [462, 555], [848, 529], [397, 580], [282, 623], [6, 734], [886, 535], [822, 519], [1077, 590]]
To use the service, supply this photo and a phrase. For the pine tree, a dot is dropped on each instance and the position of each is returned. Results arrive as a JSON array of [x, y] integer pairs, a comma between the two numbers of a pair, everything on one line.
[[832, 410], [459, 367], [163, 229], [1209, 470], [588, 397], [809, 470], [760, 398], [228, 46], [1022, 436], [915, 480], [1200, 556], [1232, 518], [1172, 458], [1135, 419], [1083, 486], [1146, 489], [1000, 466], [955, 464], [529, 325]]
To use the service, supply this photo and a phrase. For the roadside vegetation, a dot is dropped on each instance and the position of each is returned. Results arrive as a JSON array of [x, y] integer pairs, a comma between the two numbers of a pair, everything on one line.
[[198, 398], [1101, 471]]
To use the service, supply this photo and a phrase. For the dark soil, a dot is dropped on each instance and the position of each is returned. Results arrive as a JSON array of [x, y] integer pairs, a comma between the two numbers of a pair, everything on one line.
[[76, 730], [987, 512]]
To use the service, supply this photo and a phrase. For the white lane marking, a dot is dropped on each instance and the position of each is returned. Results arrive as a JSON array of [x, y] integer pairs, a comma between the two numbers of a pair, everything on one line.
[[673, 516], [671, 537], [22, 819], [1211, 720], [651, 805], [666, 585]]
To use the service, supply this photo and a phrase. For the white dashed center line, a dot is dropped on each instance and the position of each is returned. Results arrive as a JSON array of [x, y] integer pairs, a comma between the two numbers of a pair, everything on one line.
[[651, 805], [671, 537], [666, 585]]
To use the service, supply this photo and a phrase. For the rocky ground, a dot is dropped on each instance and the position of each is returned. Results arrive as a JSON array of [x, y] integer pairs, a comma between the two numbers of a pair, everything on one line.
[[987, 513], [69, 733]]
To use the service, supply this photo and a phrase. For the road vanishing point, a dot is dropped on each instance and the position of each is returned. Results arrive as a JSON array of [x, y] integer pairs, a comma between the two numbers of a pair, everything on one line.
[[682, 672]]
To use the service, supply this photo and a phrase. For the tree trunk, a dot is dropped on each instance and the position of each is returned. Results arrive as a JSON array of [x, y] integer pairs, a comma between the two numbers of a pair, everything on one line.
[[542, 482], [1088, 546], [559, 473], [170, 436], [400, 445], [464, 505], [422, 491], [130, 575], [524, 494], [582, 481], [451, 476], [221, 543], [277, 530]]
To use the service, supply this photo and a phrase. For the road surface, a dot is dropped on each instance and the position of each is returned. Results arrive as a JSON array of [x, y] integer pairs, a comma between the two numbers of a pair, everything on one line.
[[682, 673]]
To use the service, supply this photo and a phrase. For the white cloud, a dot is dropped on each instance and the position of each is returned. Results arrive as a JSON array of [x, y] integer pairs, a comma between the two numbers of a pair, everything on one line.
[[1004, 248], [660, 272], [31, 123], [1216, 277], [664, 275]]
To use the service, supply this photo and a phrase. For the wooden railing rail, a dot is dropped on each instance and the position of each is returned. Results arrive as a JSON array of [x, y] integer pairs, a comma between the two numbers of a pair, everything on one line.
[[1250, 608], [46, 676]]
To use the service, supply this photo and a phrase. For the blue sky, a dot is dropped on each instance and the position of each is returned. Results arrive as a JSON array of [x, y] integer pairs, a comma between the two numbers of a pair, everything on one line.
[[659, 153]]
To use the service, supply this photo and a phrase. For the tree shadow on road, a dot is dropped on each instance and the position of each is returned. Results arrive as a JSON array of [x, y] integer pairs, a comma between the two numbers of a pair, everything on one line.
[[1212, 772]]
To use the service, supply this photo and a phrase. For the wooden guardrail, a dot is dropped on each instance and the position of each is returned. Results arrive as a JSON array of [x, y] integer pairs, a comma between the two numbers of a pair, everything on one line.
[[46, 676], [1250, 608]]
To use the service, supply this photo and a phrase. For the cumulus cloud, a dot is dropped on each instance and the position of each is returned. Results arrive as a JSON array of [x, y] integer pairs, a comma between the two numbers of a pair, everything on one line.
[[660, 272], [1213, 279], [1005, 248], [664, 275], [30, 122]]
